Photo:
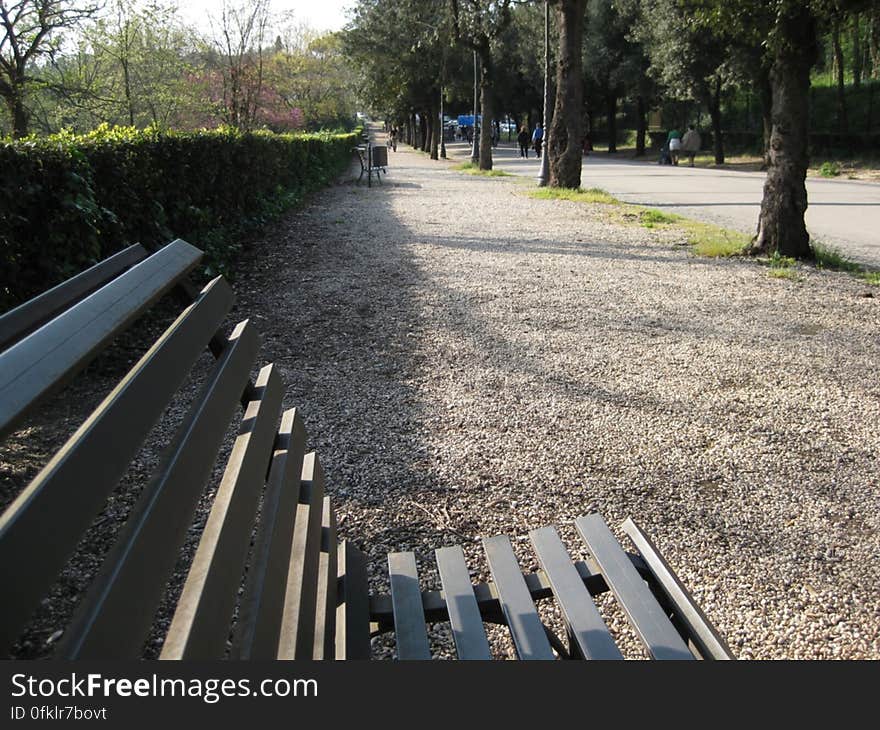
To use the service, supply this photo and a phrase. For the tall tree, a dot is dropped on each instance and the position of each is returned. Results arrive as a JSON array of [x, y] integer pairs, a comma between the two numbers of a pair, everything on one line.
[[688, 58], [31, 31], [616, 64], [141, 53], [313, 82], [478, 23], [519, 81], [564, 146], [400, 48], [238, 39], [839, 70], [793, 46]]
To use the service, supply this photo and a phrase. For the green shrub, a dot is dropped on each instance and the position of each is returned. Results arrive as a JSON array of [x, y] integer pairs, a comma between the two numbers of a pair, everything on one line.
[[829, 169], [68, 201]]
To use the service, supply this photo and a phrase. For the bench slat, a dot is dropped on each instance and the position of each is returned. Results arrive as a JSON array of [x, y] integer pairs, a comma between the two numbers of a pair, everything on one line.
[[297, 640], [259, 619], [486, 595], [352, 604], [526, 628], [40, 363], [707, 640], [203, 615], [653, 627], [26, 317], [410, 631], [464, 613], [118, 610], [46, 521], [585, 625], [325, 614]]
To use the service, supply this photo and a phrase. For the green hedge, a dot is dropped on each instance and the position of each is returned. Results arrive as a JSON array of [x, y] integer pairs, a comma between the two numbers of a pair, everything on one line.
[[68, 201]]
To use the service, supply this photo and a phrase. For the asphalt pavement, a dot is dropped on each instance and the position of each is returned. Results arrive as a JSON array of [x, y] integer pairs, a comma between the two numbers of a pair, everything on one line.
[[842, 214]]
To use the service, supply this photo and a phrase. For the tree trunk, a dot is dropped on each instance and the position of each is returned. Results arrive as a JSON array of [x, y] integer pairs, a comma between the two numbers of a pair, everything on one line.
[[715, 114], [424, 136], [20, 116], [12, 91], [129, 103], [566, 134], [434, 126], [857, 51], [842, 121], [429, 130], [487, 107], [642, 125], [766, 92], [781, 227], [874, 39], [612, 123]]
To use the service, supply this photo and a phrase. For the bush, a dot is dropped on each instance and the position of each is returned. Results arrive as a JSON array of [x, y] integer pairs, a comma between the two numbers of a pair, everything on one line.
[[68, 201], [829, 169]]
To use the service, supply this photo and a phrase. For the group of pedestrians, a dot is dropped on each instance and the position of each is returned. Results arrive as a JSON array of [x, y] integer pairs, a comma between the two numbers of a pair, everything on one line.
[[524, 138], [677, 146]]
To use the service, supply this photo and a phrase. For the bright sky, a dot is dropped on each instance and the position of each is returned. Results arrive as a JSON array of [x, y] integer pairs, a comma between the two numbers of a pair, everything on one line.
[[320, 15]]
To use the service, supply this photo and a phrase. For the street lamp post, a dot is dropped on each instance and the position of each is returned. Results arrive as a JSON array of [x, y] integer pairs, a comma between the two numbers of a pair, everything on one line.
[[475, 152], [442, 82], [442, 128], [544, 175]]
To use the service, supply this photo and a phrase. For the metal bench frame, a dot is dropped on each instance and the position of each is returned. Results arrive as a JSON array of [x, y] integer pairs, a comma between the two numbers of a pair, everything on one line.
[[305, 593], [368, 166]]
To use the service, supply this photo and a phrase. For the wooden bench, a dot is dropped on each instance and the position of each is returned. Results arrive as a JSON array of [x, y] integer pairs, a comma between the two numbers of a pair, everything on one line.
[[268, 571]]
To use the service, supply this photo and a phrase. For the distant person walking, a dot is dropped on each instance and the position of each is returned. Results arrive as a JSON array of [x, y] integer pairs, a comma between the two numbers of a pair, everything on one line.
[[673, 139], [690, 143], [537, 139], [587, 145], [523, 139], [393, 138]]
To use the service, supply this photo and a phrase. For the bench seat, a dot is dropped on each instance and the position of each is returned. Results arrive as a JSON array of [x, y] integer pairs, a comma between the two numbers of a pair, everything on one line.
[[269, 578]]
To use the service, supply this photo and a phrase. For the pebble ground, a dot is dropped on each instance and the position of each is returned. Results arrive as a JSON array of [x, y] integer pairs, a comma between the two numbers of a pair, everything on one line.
[[469, 361]]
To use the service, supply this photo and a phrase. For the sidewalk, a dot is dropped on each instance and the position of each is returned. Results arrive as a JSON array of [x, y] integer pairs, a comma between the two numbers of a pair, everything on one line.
[[472, 361]]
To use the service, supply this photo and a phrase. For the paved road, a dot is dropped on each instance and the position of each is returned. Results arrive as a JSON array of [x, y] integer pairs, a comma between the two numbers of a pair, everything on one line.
[[844, 214]]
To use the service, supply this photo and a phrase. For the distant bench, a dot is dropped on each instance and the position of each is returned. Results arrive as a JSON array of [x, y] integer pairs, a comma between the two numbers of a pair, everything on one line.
[[305, 594], [373, 159]]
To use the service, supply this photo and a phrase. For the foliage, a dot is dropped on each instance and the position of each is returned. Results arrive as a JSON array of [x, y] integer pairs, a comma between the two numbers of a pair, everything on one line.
[[67, 201], [399, 48], [614, 60], [31, 32], [829, 169], [314, 81], [133, 66], [138, 64]]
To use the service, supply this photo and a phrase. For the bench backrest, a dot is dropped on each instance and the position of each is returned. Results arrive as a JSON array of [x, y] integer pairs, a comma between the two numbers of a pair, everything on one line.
[[300, 585], [380, 156]]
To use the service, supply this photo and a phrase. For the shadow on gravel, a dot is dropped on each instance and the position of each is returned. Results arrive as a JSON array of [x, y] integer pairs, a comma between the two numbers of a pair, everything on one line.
[[348, 313], [521, 246]]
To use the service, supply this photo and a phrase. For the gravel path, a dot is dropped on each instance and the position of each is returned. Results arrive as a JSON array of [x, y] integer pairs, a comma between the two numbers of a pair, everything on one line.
[[469, 361]]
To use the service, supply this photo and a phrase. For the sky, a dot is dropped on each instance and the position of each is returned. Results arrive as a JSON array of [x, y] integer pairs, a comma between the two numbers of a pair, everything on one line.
[[320, 15]]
